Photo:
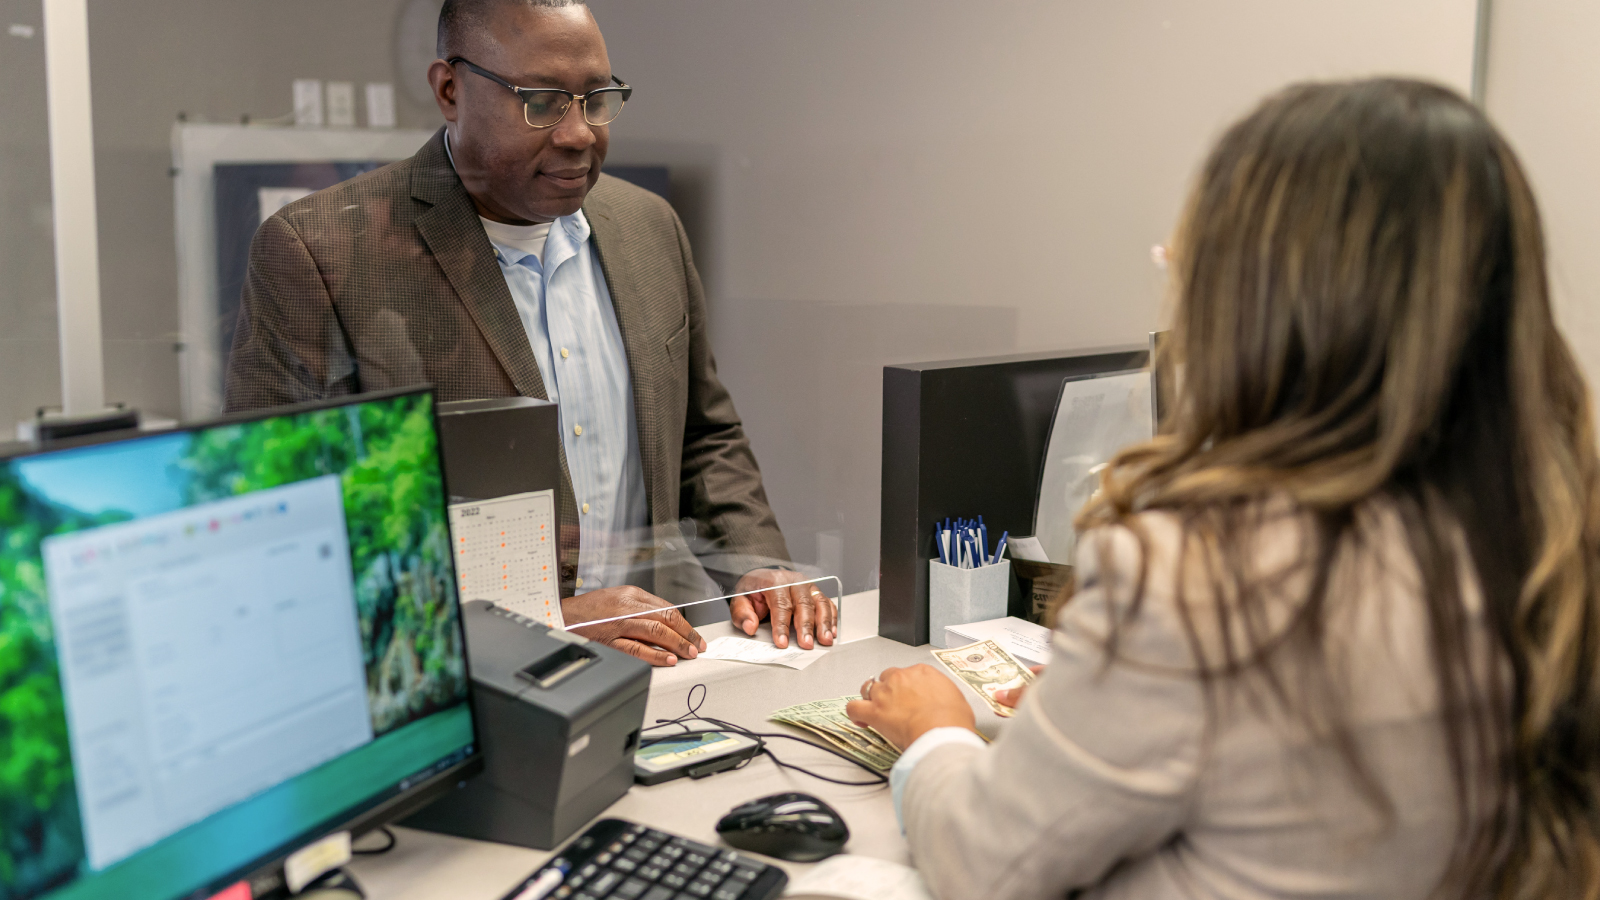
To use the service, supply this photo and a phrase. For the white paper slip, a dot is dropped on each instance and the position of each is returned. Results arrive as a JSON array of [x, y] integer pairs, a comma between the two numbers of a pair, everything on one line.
[[506, 554], [1027, 548], [760, 652], [1028, 642], [859, 878]]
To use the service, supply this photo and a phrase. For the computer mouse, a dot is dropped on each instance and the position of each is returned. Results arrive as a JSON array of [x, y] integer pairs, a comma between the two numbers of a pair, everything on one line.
[[796, 827]]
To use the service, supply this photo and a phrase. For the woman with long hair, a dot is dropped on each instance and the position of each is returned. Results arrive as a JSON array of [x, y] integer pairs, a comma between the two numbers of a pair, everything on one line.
[[1336, 627]]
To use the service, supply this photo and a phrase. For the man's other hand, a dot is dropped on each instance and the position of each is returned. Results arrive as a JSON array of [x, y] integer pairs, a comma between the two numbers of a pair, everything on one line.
[[813, 615], [659, 638]]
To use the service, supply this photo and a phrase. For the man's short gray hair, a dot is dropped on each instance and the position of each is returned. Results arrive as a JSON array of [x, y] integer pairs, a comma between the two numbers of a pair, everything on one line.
[[459, 19]]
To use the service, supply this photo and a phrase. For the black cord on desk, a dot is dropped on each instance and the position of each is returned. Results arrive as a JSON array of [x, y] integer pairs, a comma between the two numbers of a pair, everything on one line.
[[384, 848], [693, 715]]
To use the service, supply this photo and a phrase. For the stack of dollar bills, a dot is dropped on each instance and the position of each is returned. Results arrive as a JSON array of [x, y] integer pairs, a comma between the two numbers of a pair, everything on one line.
[[827, 720], [985, 667]]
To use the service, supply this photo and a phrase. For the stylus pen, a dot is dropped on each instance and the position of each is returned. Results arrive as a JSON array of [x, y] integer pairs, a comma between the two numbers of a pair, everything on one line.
[[548, 880]]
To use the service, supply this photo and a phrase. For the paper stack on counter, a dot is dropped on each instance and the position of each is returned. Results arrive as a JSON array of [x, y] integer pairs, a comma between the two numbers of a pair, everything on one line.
[[761, 652], [850, 877], [1028, 642]]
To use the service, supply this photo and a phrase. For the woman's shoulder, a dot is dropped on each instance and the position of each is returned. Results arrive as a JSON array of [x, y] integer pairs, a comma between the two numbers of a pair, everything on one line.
[[1168, 581], [1212, 582]]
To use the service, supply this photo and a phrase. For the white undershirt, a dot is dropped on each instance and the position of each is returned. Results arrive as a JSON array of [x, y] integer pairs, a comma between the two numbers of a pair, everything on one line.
[[527, 238]]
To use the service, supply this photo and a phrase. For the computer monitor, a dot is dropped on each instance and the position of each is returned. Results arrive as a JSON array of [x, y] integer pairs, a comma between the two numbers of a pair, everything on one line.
[[220, 643]]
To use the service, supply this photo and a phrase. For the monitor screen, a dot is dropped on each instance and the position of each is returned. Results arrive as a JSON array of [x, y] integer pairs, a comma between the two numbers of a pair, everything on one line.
[[218, 643]]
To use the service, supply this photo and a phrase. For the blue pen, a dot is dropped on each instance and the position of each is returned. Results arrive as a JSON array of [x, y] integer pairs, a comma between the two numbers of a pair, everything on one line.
[[548, 881], [983, 537], [1000, 549]]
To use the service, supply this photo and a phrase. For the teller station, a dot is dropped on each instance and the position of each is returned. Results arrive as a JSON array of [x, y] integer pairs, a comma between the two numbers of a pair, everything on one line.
[[320, 651]]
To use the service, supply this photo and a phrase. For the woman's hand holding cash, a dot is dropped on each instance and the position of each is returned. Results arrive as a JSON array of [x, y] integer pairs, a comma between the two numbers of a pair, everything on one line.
[[904, 704], [1012, 697]]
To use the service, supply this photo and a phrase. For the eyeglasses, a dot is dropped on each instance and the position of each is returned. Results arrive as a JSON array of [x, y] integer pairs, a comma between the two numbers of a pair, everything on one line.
[[545, 107]]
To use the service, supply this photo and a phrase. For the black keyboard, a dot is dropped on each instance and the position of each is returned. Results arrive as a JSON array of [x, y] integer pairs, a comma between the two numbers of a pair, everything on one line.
[[626, 861]]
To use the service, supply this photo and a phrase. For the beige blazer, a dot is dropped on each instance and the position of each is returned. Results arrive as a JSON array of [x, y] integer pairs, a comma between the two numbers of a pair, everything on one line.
[[388, 280], [1114, 781]]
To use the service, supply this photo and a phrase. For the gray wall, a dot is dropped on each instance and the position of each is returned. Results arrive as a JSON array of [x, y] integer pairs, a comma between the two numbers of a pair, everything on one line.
[[29, 362], [864, 182], [213, 60], [1543, 91], [885, 182]]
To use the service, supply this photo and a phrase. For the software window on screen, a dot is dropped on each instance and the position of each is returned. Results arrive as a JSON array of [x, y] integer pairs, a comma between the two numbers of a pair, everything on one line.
[[207, 654]]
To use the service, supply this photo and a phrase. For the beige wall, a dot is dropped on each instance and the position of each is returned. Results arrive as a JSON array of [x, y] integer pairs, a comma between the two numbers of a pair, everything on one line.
[[879, 182], [1544, 93]]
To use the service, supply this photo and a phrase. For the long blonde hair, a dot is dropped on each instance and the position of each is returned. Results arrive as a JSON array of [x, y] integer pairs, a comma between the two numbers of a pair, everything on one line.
[[1362, 313]]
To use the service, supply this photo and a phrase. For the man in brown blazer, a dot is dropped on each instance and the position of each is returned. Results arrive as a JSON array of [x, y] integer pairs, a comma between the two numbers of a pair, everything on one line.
[[393, 279]]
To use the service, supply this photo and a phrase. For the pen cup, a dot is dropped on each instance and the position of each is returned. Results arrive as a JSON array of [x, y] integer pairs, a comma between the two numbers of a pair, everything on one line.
[[957, 596]]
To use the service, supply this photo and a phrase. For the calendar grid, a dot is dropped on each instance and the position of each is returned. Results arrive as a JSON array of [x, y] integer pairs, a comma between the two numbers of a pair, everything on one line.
[[506, 554]]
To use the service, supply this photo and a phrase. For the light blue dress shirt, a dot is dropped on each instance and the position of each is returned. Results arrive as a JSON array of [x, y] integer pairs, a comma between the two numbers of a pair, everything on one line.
[[566, 310]]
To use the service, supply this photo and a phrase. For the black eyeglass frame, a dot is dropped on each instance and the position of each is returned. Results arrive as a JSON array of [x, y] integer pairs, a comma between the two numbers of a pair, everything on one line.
[[527, 94]]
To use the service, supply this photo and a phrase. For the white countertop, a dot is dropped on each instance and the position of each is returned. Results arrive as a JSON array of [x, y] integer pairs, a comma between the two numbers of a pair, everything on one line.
[[425, 866]]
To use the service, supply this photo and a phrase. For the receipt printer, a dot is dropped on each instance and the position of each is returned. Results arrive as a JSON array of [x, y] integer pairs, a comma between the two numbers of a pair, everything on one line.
[[558, 717]]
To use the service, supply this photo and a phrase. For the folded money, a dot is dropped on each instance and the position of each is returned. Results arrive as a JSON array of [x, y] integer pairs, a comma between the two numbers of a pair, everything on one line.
[[988, 669], [827, 720]]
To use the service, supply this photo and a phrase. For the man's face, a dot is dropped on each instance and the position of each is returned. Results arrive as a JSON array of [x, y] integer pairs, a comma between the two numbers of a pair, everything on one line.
[[514, 172]]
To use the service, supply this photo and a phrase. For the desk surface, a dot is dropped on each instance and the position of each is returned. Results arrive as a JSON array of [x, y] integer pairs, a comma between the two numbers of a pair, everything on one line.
[[424, 866]]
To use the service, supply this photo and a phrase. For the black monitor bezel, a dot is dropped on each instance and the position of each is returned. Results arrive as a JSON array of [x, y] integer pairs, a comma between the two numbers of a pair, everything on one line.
[[265, 871]]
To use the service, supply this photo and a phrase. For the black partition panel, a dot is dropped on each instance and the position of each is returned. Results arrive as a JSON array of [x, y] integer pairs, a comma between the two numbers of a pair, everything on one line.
[[965, 438]]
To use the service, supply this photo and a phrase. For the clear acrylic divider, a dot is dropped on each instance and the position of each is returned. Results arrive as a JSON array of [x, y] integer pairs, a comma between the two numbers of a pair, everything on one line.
[[838, 602]]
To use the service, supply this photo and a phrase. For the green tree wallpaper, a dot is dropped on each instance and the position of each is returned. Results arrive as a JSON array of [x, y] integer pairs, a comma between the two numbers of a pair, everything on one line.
[[386, 457]]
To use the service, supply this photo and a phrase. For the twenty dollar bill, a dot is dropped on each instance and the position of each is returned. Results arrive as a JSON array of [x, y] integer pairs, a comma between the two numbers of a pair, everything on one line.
[[988, 669]]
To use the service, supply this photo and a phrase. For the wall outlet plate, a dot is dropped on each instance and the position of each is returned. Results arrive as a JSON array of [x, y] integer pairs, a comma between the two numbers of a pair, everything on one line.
[[308, 102], [341, 104]]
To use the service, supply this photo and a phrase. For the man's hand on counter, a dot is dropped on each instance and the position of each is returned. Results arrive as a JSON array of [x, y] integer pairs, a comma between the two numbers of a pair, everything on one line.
[[660, 638], [804, 606]]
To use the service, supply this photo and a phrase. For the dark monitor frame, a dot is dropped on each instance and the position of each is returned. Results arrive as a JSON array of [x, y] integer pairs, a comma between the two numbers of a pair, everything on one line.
[[966, 437], [265, 872]]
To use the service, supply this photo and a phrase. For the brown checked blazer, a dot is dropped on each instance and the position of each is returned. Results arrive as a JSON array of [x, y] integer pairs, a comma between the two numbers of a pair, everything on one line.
[[388, 280]]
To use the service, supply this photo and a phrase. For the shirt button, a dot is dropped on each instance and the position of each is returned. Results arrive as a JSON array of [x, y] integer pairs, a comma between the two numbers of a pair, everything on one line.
[[577, 430], [586, 508], [580, 582], [563, 353]]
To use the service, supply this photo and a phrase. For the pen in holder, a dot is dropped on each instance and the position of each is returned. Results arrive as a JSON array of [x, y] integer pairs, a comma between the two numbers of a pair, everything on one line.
[[958, 596], [968, 582]]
